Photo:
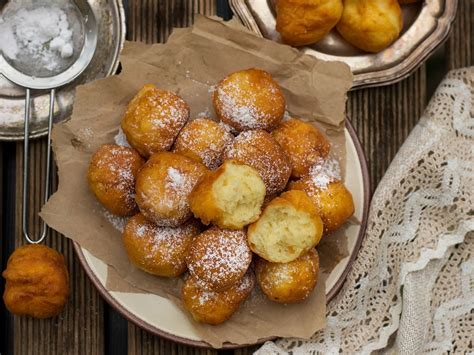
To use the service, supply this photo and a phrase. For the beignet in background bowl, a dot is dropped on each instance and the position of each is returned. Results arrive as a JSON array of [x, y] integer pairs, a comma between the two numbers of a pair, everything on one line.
[[371, 25], [303, 22]]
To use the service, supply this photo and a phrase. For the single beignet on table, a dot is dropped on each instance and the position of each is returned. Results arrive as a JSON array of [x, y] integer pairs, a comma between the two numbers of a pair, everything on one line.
[[288, 227], [249, 99], [288, 282], [163, 186], [303, 22], [160, 251], [371, 25], [259, 150], [111, 176], [37, 282], [219, 258], [213, 307], [153, 120], [303, 143], [203, 140], [230, 197]]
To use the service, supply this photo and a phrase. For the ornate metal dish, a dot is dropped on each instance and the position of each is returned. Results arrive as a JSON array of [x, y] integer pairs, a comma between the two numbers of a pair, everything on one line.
[[426, 26], [111, 36]]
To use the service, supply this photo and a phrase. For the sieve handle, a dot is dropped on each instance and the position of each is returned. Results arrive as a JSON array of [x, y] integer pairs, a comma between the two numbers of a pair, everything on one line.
[[24, 209]]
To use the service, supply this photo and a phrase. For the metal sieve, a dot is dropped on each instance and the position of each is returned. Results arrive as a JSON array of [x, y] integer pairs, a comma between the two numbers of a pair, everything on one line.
[[27, 79]]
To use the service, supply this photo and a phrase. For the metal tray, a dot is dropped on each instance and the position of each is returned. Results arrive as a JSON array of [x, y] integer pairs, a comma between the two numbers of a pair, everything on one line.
[[426, 26], [111, 36]]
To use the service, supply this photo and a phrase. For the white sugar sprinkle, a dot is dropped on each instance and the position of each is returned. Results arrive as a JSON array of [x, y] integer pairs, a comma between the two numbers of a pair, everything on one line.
[[42, 35], [121, 139], [322, 174], [117, 222]]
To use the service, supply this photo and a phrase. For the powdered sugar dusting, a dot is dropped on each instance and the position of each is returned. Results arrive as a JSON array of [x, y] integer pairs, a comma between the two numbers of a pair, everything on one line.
[[204, 114], [120, 139], [259, 150], [122, 164], [166, 245], [240, 105], [176, 180], [219, 257], [117, 222], [40, 36], [325, 172], [204, 139], [235, 294]]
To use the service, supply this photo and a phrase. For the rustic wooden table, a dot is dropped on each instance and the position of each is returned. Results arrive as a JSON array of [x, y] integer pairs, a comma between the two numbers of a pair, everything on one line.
[[383, 117]]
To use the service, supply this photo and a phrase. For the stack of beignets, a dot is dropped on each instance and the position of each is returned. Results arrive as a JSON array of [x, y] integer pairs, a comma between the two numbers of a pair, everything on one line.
[[231, 184], [371, 25]]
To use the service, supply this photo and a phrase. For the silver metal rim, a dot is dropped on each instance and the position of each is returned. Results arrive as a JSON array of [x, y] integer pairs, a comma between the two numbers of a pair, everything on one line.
[[119, 14]]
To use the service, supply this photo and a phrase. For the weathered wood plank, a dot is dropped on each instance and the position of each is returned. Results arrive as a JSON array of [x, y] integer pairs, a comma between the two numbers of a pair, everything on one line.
[[383, 117], [460, 44], [79, 328]]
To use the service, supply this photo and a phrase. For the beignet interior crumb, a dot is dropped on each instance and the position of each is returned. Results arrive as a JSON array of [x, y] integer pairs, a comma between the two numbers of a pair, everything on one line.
[[239, 193], [283, 233]]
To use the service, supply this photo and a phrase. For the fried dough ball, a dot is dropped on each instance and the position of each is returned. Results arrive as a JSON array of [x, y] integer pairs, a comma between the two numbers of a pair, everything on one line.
[[303, 143], [153, 120], [219, 258], [230, 197], [260, 151], [288, 282], [371, 25], [111, 176], [37, 282], [333, 200], [213, 307], [163, 187], [160, 251], [203, 140], [302, 22], [249, 99], [288, 227]]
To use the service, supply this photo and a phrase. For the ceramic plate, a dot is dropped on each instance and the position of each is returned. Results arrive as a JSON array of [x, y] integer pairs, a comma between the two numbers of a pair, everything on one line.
[[161, 317], [426, 26]]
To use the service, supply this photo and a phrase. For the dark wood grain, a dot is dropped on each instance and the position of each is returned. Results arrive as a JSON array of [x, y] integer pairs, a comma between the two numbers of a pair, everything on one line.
[[79, 328], [383, 118], [460, 44]]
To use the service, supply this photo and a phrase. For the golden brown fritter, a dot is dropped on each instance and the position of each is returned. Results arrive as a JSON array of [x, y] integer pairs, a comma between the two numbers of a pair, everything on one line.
[[249, 99], [371, 25], [37, 282], [160, 251], [163, 187], [111, 177], [153, 120], [302, 22], [288, 282]]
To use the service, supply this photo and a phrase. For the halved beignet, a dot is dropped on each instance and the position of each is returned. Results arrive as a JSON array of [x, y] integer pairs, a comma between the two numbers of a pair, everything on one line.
[[230, 197], [289, 227]]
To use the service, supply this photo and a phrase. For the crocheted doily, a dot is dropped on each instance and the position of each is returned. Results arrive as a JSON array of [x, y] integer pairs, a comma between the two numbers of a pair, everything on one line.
[[413, 280]]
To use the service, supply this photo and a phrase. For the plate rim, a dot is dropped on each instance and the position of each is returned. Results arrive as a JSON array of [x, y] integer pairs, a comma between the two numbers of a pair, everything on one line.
[[387, 76], [107, 296]]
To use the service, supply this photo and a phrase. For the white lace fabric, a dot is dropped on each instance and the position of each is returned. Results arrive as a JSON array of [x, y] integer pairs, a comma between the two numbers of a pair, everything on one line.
[[413, 278]]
